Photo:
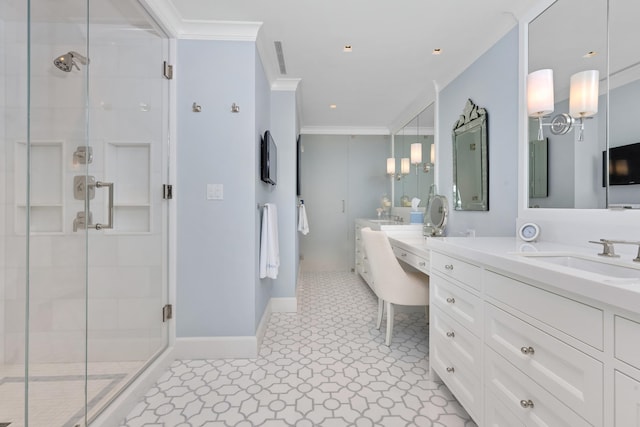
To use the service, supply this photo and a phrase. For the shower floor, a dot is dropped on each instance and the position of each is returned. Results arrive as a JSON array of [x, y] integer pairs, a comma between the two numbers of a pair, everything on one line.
[[56, 391]]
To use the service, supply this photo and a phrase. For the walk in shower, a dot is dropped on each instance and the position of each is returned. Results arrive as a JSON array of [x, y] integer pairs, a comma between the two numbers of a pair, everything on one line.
[[83, 224]]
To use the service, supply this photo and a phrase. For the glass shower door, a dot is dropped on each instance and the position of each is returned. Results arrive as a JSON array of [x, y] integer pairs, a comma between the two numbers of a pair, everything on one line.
[[83, 224]]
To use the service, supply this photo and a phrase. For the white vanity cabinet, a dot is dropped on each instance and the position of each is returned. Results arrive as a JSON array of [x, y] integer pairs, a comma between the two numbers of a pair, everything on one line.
[[361, 263], [455, 329], [522, 346]]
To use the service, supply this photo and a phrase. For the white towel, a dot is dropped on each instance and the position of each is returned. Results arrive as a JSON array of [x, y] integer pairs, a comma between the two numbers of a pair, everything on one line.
[[269, 249], [303, 224]]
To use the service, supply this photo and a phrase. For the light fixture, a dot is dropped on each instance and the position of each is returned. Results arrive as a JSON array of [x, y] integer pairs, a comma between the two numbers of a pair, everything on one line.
[[333, 106], [583, 100], [436, 51], [404, 167], [432, 159], [347, 48], [416, 147]]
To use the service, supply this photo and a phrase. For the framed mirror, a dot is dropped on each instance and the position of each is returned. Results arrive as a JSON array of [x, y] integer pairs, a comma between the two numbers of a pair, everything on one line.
[[470, 160], [414, 179]]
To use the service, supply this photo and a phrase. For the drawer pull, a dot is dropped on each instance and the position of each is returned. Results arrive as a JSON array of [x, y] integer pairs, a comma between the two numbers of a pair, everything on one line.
[[451, 369], [451, 334], [449, 266], [527, 350], [451, 300], [403, 254], [422, 263], [527, 404]]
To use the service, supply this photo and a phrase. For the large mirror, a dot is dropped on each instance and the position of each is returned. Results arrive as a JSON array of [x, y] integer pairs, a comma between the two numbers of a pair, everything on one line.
[[414, 179], [470, 160], [569, 38]]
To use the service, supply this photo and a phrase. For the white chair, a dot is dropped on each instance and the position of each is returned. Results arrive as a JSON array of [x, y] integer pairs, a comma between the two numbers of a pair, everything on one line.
[[391, 283]]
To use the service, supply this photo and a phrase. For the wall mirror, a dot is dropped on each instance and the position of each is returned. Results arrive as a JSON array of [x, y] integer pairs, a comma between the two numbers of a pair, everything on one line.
[[470, 164], [578, 169], [414, 179]]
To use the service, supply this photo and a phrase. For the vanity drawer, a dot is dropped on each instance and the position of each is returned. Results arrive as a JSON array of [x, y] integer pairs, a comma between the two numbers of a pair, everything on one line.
[[532, 404], [463, 382], [496, 413], [462, 271], [626, 341], [627, 400], [460, 304], [416, 261], [579, 320], [460, 341], [567, 373]]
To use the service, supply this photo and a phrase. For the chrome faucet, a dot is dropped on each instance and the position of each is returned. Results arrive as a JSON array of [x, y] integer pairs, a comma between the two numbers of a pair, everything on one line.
[[607, 249]]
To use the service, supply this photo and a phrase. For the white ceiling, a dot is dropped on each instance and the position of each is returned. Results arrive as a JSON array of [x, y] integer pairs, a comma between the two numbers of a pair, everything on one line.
[[389, 76]]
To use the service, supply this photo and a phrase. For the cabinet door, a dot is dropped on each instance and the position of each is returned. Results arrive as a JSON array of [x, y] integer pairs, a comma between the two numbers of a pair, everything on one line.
[[627, 401]]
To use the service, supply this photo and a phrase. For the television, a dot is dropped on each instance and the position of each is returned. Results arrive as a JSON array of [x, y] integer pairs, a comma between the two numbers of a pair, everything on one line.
[[268, 159], [624, 164]]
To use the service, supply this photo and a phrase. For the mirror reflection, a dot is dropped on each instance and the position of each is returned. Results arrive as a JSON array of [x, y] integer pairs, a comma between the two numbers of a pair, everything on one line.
[[578, 167], [470, 160], [412, 157]]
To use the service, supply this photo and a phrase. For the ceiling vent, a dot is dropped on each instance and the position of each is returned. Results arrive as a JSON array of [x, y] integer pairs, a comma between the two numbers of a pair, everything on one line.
[[280, 55]]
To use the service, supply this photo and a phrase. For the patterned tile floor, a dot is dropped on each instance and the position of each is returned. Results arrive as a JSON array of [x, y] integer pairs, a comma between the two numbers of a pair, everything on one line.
[[326, 365]]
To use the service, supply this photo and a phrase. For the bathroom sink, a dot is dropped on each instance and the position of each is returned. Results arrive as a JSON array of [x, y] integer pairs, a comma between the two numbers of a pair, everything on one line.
[[383, 221], [603, 267]]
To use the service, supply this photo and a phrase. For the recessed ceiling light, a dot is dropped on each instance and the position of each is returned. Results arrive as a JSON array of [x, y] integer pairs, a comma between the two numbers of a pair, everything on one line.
[[333, 106], [347, 48], [590, 54], [436, 51]]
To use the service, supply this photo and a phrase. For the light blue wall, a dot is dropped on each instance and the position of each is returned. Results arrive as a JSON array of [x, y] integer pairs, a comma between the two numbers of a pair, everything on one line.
[[491, 82], [265, 193], [217, 239], [285, 131]]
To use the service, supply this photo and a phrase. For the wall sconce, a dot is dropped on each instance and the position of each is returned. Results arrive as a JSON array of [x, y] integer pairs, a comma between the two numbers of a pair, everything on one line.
[[432, 158], [404, 167], [583, 100], [416, 154]]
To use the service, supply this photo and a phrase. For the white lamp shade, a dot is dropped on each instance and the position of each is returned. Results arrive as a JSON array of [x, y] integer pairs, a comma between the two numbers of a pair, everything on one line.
[[583, 95], [416, 153], [391, 165], [405, 166], [540, 93], [433, 154]]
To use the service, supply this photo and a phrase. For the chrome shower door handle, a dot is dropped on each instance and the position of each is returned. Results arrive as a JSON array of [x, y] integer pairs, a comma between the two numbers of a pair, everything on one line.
[[109, 224]]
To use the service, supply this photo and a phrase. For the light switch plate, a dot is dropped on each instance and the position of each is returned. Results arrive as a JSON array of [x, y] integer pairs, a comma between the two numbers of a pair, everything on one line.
[[215, 192]]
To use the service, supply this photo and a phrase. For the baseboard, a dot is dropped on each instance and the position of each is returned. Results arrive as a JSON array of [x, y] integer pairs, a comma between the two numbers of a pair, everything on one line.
[[122, 405], [216, 348], [284, 305]]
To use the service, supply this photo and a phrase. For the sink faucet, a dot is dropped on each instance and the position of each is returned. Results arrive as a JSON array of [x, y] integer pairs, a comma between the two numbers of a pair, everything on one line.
[[607, 249]]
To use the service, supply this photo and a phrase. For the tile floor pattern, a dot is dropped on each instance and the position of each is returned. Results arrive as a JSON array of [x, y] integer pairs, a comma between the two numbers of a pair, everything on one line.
[[326, 365]]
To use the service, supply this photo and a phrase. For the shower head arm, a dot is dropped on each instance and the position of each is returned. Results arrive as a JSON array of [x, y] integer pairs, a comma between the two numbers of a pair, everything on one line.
[[83, 59]]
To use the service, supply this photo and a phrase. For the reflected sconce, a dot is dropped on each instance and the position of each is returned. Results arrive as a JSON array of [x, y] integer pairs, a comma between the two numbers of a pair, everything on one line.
[[583, 101], [432, 159], [391, 167], [416, 154]]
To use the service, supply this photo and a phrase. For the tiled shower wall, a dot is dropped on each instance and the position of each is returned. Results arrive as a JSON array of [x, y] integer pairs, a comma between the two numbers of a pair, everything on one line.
[[125, 131]]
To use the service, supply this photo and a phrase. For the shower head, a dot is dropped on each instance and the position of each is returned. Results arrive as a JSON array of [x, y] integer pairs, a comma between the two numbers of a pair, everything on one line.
[[67, 61]]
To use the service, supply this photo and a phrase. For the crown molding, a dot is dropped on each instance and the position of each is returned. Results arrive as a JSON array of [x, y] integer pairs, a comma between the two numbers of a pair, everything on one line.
[[286, 84], [344, 130], [177, 26]]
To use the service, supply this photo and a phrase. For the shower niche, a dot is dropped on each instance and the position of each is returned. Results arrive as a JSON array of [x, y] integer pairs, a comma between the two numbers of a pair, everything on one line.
[[46, 189]]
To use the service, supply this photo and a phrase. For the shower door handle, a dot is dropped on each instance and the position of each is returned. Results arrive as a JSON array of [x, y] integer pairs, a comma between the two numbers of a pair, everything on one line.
[[109, 224], [84, 188]]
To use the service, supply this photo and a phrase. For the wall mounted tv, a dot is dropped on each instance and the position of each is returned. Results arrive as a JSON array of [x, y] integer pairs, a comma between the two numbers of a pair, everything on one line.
[[268, 159], [624, 164]]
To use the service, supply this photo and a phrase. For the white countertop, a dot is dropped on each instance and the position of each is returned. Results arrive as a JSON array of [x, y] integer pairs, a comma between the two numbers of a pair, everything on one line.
[[500, 254]]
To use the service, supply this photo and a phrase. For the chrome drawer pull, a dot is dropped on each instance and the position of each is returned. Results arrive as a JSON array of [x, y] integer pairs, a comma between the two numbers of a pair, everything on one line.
[[422, 263], [527, 350], [449, 266], [403, 254], [527, 404], [451, 334], [451, 370], [451, 300]]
